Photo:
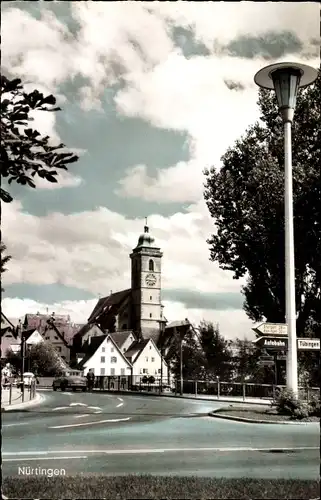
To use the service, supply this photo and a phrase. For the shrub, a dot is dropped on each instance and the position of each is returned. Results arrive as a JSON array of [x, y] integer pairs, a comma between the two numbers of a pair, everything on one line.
[[287, 403], [314, 407], [151, 379]]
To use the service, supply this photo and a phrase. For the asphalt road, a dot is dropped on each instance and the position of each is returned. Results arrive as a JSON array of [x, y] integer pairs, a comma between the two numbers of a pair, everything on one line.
[[114, 435]]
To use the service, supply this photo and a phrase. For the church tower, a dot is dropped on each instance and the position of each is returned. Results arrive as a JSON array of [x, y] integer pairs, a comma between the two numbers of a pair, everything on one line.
[[146, 270]]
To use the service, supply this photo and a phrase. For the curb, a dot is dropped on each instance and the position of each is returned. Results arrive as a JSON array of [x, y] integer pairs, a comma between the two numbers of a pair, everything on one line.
[[252, 421], [39, 399]]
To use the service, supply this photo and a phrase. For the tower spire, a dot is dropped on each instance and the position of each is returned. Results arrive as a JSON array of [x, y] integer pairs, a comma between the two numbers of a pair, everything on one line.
[[146, 229]]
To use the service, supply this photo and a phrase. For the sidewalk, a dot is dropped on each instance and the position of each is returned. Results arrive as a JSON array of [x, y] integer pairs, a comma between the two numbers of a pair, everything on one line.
[[16, 399], [203, 397]]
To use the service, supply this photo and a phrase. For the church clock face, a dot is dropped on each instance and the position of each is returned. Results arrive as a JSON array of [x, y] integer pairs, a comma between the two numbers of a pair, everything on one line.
[[150, 279]]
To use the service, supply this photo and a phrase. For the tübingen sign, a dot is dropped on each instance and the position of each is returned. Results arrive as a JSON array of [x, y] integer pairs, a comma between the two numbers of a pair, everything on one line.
[[272, 343]]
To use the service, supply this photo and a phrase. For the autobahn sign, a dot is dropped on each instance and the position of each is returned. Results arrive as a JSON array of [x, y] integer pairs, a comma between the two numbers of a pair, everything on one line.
[[271, 329], [275, 343]]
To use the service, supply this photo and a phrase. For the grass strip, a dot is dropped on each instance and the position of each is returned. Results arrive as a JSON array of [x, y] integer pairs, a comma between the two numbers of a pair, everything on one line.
[[97, 486], [260, 414]]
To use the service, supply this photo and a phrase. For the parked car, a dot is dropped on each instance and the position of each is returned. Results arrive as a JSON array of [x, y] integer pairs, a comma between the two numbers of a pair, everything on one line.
[[28, 378], [72, 382]]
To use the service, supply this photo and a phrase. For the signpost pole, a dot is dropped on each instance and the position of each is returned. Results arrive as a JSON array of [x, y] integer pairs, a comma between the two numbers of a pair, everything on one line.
[[276, 368]]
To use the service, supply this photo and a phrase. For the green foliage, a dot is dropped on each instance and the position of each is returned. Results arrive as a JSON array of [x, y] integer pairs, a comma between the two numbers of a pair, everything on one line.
[[314, 406], [193, 357], [156, 487], [4, 260], [24, 152], [217, 354], [287, 403], [41, 359], [245, 200]]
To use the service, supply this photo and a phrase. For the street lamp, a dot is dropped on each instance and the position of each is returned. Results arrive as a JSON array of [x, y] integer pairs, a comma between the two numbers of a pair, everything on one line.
[[286, 79]]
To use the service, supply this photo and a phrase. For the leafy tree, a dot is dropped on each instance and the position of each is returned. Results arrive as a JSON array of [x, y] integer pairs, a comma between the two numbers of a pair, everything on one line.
[[4, 260], [192, 355], [245, 200], [41, 359], [24, 152], [217, 353], [245, 361]]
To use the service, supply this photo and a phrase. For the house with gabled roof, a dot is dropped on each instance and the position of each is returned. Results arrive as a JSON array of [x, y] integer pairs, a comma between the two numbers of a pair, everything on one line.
[[146, 359], [102, 356], [9, 336], [52, 334], [123, 340]]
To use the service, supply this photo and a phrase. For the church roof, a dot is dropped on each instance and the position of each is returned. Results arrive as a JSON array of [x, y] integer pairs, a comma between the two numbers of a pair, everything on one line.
[[115, 299]]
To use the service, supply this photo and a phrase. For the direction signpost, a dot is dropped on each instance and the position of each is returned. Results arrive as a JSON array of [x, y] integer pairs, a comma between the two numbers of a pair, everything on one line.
[[275, 343], [271, 329], [309, 344]]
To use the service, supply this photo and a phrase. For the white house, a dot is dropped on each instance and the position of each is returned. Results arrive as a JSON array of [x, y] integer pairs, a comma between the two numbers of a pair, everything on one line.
[[146, 359], [103, 357]]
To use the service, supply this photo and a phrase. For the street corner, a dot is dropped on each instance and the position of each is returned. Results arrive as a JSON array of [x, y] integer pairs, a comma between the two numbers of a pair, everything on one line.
[[37, 401]]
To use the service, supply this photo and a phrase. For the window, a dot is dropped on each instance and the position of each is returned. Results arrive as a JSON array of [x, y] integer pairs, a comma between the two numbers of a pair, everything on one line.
[[153, 359], [112, 371], [151, 265], [146, 359], [150, 315], [103, 349], [159, 370], [113, 359], [150, 298], [145, 370], [122, 371], [112, 349], [150, 346], [102, 359], [102, 371], [47, 338], [58, 348], [56, 338]]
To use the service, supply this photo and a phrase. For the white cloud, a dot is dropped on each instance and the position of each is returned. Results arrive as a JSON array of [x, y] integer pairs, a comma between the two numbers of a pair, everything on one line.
[[85, 250]]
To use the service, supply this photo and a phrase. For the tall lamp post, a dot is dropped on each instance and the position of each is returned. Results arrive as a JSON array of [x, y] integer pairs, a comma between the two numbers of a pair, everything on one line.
[[286, 79]]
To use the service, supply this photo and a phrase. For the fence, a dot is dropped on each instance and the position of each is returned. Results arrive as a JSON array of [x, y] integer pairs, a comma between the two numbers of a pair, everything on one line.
[[216, 389], [17, 393]]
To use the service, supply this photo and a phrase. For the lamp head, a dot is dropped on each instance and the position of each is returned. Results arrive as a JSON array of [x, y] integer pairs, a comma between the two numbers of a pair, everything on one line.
[[286, 83], [286, 79]]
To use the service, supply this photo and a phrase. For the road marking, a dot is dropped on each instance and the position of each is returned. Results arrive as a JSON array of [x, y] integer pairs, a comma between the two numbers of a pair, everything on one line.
[[90, 423], [60, 408], [81, 416], [43, 458], [67, 393], [157, 450], [94, 407], [120, 404], [120, 399], [14, 425], [97, 411], [78, 404]]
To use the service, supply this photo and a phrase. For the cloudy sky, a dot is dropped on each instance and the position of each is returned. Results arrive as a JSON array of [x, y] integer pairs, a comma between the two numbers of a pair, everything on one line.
[[151, 94]]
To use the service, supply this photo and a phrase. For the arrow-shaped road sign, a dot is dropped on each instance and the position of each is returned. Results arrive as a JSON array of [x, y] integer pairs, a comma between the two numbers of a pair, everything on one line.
[[277, 343], [271, 329]]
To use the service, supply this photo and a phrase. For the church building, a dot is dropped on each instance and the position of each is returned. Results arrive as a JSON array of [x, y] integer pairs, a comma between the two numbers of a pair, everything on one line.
[[139, 308]]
